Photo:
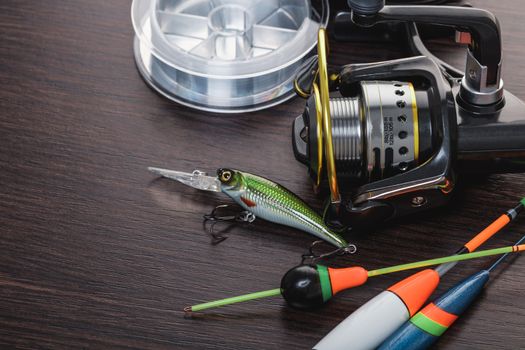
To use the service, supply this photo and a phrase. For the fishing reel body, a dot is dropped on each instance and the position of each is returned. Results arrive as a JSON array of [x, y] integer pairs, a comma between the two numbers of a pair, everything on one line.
[[402, 132]]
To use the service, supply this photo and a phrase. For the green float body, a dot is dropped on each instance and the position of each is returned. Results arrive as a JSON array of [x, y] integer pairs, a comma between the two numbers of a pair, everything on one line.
[[272, 202]]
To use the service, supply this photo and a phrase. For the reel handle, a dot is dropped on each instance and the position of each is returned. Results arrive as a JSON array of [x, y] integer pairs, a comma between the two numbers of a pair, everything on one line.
[[482, 84]]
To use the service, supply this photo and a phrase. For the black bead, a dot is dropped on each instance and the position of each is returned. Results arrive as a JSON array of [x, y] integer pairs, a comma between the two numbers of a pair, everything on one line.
[[301, 287]]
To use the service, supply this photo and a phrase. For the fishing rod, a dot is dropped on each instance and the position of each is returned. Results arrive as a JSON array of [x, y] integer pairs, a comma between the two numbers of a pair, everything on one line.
[[429, 324], [388, 310], [297, 280], [325, 281]]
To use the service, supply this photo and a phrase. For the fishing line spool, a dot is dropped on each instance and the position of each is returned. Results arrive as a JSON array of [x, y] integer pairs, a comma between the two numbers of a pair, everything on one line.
[[225, 56]]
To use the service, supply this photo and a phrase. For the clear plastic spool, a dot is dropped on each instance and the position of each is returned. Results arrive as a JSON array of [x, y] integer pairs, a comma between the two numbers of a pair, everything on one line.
[[225, 56]]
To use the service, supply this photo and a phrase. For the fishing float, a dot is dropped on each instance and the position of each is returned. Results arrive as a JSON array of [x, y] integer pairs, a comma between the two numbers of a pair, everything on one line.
[[390, 309], [302, 286], [429, 324], [308, 285]]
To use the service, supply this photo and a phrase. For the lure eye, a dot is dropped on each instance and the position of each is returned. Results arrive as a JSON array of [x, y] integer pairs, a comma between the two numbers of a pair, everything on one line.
[[226, 176]]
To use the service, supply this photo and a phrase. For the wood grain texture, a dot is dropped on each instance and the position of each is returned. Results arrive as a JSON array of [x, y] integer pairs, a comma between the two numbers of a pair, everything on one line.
[[98, 253]]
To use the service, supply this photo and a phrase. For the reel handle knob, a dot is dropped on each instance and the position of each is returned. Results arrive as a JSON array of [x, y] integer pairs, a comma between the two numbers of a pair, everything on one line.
[[366, 7]]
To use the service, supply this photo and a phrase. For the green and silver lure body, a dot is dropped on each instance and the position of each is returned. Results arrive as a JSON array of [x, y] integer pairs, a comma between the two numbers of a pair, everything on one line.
[[263, 198], [273, 202]]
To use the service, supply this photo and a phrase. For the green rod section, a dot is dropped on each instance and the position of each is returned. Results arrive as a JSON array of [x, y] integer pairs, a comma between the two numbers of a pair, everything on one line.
[[233, 300], [445, 260]]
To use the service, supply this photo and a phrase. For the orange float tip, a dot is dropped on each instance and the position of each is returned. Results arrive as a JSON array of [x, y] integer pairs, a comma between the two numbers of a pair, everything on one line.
[[488, 232], [415, 290], [345, 278]]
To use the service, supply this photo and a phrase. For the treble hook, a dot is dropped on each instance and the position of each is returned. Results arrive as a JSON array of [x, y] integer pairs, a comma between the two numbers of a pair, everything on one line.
[[349, 249], [218, 237]]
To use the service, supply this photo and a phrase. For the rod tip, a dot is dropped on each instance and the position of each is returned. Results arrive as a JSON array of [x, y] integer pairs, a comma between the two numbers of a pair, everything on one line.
[[188, 309]]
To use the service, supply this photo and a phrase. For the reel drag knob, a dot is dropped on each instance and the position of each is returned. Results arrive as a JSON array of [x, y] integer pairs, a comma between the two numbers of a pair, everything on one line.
[[310, 286]]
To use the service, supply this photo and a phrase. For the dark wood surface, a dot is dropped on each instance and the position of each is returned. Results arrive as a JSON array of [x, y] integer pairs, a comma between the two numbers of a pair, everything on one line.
[[96, 252]]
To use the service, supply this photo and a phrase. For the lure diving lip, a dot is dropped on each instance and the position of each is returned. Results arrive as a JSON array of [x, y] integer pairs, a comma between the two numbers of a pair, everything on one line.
[[263, 198]]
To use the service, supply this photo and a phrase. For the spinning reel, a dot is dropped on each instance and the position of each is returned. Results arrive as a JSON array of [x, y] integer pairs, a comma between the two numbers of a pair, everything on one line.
[[392, 138]]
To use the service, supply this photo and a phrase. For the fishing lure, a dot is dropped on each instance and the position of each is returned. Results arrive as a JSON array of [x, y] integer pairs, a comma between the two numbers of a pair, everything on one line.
[[429, 324], [308, 286], [388, 310], [262, 198]]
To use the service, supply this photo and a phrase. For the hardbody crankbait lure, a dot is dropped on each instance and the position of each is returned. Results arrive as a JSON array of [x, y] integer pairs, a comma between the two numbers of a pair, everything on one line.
[[262, 198]]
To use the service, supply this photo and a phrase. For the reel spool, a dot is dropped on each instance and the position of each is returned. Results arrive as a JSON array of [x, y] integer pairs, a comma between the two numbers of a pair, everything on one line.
[[382, 131]]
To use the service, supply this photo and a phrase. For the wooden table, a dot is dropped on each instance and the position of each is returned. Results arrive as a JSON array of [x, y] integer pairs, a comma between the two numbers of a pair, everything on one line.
[[96, 252]]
